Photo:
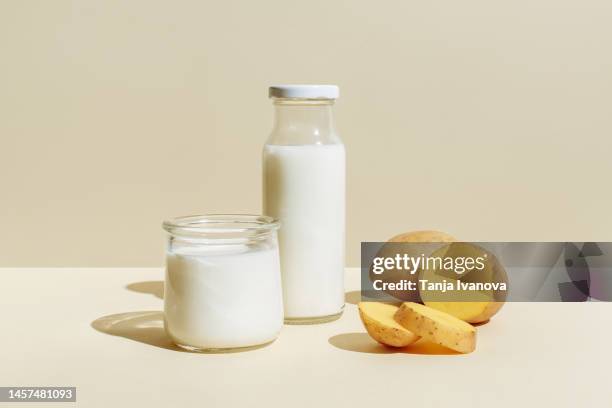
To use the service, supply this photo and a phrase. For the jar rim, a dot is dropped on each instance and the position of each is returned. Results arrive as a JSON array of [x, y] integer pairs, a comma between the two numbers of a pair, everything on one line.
[[221, 226]]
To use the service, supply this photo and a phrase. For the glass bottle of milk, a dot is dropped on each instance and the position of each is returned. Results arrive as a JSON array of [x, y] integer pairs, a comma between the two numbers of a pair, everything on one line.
[[304, 187]]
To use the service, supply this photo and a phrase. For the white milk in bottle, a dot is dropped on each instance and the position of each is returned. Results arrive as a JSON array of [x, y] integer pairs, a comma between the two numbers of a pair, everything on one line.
[[304, 187]]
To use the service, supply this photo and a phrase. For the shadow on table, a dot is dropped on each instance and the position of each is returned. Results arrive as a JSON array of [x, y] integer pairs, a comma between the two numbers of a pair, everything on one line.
[[155, 288], [145, 327], [362, 343], [352, 297]]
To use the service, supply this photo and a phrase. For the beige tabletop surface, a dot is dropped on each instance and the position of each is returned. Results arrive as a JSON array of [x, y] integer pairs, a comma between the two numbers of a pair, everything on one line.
[[101, 330]]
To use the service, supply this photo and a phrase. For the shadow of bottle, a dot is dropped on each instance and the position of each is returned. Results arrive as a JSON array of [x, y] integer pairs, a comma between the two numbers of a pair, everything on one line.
[[352, 297]]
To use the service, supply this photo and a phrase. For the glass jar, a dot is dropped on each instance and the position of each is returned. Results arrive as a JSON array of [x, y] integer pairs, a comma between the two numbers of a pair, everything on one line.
[[223, 284], [304, 187]]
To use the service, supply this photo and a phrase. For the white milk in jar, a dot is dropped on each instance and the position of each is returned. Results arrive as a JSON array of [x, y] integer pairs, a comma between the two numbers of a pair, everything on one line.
[[222, 288], [304, 187]]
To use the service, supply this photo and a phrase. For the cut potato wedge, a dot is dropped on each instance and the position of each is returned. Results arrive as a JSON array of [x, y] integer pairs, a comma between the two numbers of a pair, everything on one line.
[[436, 326], [378, 321]]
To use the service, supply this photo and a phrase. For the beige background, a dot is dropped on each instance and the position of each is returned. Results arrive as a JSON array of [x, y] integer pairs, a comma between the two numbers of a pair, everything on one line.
[[490, 120]]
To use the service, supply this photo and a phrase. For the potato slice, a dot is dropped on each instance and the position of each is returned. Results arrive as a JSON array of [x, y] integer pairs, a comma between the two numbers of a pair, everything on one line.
[[378, 321], [436, 326]]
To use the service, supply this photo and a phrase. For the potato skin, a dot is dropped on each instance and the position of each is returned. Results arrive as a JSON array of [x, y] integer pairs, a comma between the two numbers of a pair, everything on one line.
[[437, 327], [387, 334]]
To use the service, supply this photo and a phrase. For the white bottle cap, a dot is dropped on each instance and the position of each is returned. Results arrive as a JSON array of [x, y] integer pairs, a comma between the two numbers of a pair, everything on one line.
[[304, 91]]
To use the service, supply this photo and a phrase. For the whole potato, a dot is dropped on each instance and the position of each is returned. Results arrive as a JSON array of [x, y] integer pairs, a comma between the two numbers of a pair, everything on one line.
[[393, 247]]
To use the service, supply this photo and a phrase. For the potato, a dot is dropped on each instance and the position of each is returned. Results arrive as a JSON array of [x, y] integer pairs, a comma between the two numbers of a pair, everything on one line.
[[380, 325], [437, 327], [393, 247], [423, 236], [472, 307]]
